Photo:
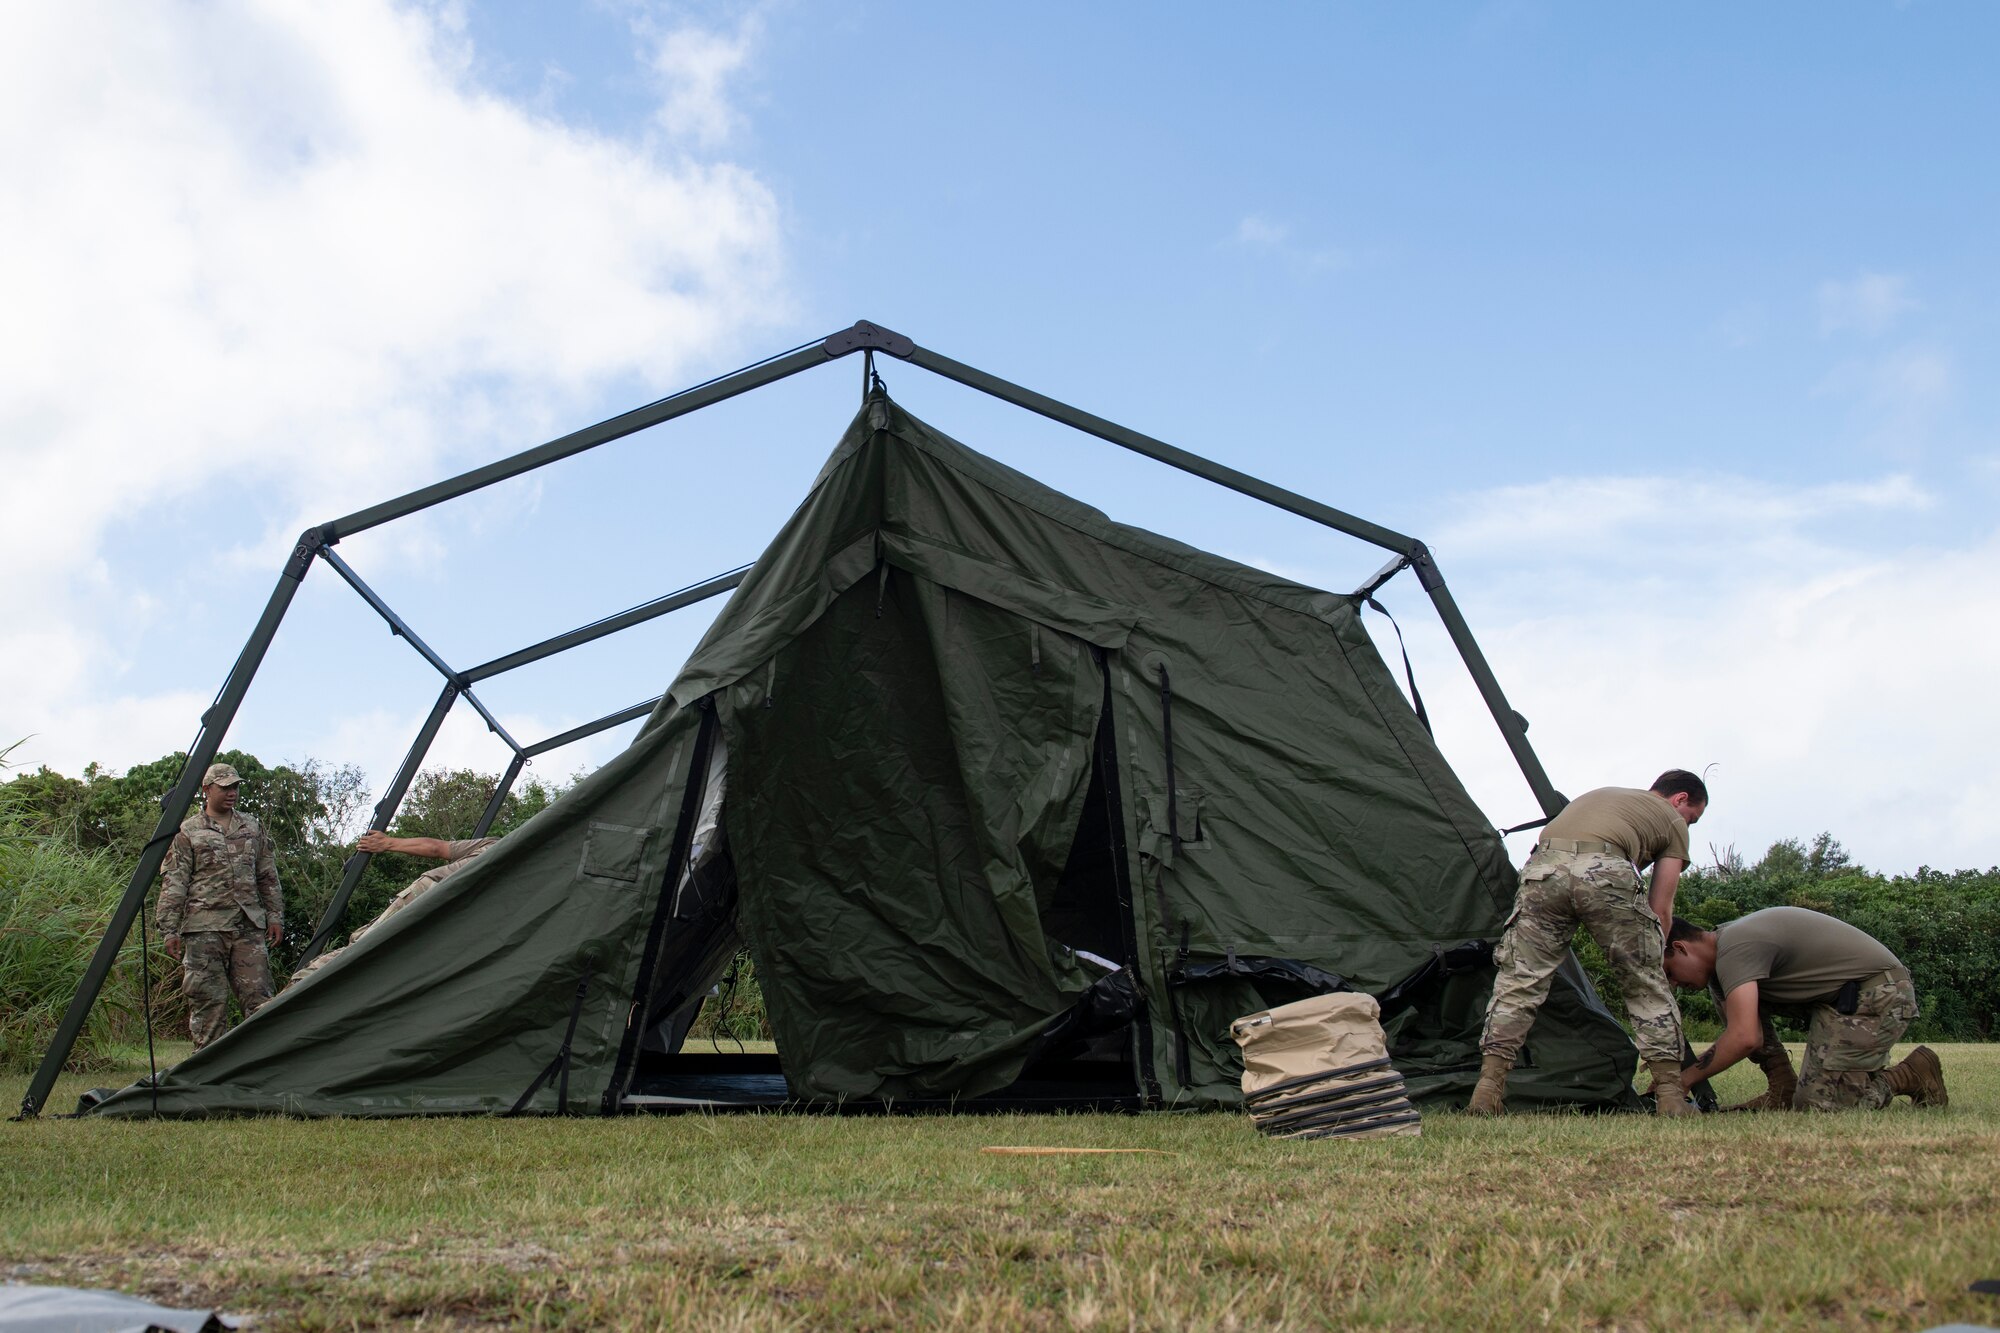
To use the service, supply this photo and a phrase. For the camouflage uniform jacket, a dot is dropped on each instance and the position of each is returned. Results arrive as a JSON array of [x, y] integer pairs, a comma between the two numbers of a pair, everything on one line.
[[219, 880]]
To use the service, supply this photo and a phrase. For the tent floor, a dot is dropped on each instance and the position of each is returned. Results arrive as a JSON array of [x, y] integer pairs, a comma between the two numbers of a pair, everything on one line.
[[754, 1082]]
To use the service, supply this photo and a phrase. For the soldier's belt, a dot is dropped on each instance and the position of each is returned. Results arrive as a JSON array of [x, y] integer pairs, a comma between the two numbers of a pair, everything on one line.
[[1578, 845], [1847, 1000]]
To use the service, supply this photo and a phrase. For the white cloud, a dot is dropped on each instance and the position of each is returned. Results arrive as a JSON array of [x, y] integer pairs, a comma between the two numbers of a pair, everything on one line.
[[1912, 377], [1632, 522], [1740, 327], [1867, 303], [1897, 396], [693, 67], [1256, 232], [267, 262], [1834, 687]]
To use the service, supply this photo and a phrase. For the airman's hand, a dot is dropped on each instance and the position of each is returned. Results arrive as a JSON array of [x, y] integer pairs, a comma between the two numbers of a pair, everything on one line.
[[172, 944], [275, 932], [373, 841]]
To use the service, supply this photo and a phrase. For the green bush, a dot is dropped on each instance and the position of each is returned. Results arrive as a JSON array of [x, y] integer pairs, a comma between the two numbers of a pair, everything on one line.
[[736, 1012], [68, 847], [1944, 926], [55, 904]]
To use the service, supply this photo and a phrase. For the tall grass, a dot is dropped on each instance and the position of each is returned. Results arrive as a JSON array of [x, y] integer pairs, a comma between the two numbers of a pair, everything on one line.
[[56, 902]]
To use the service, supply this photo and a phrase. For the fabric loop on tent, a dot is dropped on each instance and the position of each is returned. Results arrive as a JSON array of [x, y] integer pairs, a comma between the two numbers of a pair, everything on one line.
[[1416, 700]]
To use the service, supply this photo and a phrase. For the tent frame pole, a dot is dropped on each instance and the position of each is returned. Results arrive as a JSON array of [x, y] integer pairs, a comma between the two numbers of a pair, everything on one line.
[[1512, 725], [605, 723], [499, 798], [862, 337], [385, 810], [638, 615], [173, 807]]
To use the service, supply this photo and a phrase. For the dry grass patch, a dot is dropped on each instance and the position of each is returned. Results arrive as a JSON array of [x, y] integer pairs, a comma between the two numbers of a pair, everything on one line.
[[768, 1222]]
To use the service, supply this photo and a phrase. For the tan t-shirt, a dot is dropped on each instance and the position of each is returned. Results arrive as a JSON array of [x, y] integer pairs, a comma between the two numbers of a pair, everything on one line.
[[1640, 824], [1795, 955]]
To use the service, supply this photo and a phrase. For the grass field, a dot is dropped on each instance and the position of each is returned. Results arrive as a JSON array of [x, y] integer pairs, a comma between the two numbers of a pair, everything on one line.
[[1853, 1221]]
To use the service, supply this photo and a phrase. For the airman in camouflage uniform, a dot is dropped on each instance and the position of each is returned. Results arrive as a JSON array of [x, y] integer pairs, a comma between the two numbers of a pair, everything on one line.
[[458, 853], [220, 907], [1585, 870], [1854, 994]]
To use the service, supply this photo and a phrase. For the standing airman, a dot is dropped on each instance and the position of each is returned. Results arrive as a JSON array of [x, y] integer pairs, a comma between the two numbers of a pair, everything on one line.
[[220, 908]]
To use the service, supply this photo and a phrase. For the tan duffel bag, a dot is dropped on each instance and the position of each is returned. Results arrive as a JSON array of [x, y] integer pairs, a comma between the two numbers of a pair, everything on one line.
[[1320, 1069]]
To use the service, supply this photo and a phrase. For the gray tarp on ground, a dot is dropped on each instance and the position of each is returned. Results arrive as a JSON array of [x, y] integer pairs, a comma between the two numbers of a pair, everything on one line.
[[31, 1309], [910, 684]]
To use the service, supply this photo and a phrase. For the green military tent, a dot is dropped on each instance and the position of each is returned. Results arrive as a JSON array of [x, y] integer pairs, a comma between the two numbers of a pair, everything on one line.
[[1011, 805]]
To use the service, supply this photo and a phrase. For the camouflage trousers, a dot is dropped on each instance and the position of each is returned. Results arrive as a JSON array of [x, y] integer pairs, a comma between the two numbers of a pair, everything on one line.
[[213, 964], [1601, 892], [1845, 1053]]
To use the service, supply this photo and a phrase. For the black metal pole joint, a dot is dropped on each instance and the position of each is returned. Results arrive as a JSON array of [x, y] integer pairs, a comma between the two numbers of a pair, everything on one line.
[[865, 336], [1419, 556], [310, 543]]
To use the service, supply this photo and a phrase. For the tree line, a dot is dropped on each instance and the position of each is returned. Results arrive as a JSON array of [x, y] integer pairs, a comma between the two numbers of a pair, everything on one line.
[[68, 846], [1944, 925]]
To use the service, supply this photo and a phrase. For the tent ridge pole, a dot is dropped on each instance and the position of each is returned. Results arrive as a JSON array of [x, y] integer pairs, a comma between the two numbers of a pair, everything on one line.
[[214, 725], [1160, 451], [1408, 549], [815, 353]]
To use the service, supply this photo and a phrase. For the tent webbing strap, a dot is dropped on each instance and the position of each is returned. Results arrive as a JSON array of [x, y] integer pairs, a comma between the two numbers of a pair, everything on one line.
[[1523, 828], [559, 1067], [1416, 700], [1182, 1059], [1167, 746]]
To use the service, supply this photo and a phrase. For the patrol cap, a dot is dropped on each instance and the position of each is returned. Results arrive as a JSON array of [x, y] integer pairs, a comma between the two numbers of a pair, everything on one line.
[[220, 775]]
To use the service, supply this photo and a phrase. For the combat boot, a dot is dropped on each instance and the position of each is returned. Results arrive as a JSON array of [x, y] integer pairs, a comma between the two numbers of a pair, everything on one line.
[[1783, 1081], [1920, 1076], [1669, 1098], [1490, 1097]]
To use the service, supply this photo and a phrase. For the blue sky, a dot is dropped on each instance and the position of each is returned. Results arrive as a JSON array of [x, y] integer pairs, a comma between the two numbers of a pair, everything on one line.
[[1672, 332]]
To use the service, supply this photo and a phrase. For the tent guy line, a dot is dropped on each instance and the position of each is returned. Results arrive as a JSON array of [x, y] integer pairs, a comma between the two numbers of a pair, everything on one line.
[[862, 337]]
